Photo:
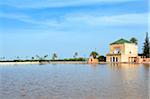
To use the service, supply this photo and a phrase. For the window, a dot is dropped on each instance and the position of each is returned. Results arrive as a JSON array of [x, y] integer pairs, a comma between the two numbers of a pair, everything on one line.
[[110, 59], [117, 51], [113, 59], [116, 59]]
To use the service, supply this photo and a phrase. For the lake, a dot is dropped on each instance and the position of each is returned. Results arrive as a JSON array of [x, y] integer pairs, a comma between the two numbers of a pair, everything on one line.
[[75, 81]]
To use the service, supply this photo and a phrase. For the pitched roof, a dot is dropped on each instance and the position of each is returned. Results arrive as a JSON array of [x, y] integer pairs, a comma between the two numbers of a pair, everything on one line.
[[120, 41]]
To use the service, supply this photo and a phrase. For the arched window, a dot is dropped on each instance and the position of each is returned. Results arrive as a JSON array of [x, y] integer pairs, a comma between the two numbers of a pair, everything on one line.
[[116, 59], [117, 51], [113, 59], [110, 59]]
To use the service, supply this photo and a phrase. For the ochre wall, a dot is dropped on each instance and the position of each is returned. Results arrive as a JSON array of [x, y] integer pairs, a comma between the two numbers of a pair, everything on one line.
[[125, 50], [115, 56], [131, 47], [124, 58], [113, 47], [92, 61]]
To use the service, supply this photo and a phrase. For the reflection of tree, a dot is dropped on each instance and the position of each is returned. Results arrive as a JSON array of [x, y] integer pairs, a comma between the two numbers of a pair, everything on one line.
[[146, 67]]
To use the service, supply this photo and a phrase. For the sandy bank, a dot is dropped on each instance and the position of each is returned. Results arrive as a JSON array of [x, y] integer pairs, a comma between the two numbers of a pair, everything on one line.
[[52, 62], [17, 63]]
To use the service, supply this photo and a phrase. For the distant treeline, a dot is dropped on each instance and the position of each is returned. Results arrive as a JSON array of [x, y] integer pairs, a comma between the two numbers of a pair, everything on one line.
[[45, 60], [100, 58]]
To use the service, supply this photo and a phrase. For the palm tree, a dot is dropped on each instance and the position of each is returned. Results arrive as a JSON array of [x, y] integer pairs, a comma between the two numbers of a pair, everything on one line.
[[54, 56], [32, 58], [37, 56], [45, 56], [94, 54], [134, 40], [18, 58], [2, 58], [75, 54]]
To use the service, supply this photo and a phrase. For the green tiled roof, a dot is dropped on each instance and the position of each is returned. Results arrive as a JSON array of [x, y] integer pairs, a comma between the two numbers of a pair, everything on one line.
[[120, 41]]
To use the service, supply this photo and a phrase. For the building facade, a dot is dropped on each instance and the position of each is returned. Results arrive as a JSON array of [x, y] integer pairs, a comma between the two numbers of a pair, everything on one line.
[[92, 60], [122, 51]]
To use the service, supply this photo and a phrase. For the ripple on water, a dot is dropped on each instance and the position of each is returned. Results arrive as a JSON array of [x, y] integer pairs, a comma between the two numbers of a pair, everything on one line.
[[74, 82]]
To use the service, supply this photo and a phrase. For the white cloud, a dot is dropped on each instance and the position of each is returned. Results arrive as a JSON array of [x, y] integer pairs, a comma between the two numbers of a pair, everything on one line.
[[124, 19], [28, 19], [56, 3], [85, 21]]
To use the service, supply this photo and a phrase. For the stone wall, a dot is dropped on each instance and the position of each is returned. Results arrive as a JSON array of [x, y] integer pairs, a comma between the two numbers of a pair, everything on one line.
[[92, 61], [142, 60]]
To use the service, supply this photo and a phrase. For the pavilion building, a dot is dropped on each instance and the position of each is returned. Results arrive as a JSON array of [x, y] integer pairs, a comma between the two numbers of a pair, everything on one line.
[[122, 51]]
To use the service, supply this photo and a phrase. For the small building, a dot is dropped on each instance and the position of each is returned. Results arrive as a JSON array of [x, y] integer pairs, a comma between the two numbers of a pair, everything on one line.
[[92, 60], [142, 59], [122, 51]]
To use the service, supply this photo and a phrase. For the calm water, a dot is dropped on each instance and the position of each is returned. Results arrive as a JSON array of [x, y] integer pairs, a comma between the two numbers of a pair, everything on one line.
[[70, 81]]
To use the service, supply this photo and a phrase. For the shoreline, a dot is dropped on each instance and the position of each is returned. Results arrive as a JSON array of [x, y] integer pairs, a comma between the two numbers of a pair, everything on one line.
[[57, 62], [18, 63], [40, 63]]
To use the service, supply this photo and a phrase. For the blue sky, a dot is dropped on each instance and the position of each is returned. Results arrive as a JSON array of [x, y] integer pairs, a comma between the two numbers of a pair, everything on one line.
[[30, 27]]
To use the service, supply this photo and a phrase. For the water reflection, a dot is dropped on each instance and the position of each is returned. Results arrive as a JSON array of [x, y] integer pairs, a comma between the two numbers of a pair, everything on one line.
[[123, 65], [127, 71], [146, 66], [62, 81], [93, 65]]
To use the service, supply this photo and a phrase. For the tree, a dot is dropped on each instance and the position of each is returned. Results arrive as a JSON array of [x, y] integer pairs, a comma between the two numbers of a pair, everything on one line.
[[32, 58], [54, 56], [94, 54], [146, 47], [134, 40], [2, 58], [18, 58], [101, 58], [37, 56], [45, 56], [75, 55]]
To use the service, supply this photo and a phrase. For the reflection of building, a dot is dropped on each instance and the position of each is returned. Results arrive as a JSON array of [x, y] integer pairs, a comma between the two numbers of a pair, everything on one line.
[[122, 51], [125, 68]]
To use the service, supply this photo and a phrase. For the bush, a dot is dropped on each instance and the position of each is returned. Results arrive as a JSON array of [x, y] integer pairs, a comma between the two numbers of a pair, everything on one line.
[[102, 58]]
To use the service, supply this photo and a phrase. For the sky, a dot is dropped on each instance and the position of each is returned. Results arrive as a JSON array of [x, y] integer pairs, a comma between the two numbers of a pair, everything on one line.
[[40, 27]]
